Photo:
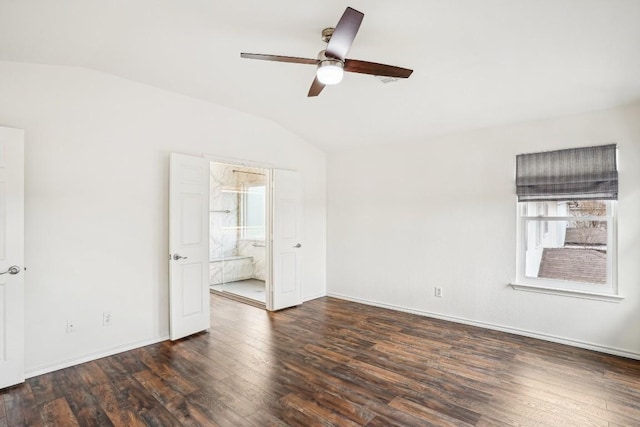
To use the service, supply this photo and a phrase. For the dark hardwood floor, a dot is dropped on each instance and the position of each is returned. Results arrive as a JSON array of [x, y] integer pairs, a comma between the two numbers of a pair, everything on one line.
[[332, 362]]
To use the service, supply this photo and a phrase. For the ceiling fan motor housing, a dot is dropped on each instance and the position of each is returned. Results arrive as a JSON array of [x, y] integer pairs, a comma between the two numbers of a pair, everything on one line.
[[330, 70]]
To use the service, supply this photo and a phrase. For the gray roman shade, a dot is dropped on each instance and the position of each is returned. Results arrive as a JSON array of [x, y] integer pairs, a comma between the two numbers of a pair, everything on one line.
[[577, 173]]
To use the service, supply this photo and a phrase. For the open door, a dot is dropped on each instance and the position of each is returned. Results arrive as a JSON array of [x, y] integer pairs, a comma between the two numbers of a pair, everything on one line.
[[188, 245], [286, 286], [11, 256]]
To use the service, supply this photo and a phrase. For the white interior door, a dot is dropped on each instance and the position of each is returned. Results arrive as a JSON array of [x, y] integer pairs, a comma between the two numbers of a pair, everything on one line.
[[286, 286], [188, 245], [11, 256]]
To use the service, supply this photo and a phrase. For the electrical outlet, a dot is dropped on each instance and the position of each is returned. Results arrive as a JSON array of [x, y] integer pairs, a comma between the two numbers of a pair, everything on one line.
[[437, 292], [106, 318], [71, 326]]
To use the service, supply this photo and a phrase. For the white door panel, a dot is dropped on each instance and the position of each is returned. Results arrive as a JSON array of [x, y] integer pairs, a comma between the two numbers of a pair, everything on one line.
[[188, 245], [11, 256], [286, 286]]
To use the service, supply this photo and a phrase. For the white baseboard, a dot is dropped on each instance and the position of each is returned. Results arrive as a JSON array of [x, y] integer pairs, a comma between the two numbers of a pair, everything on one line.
[[91, 356], [312, 297], [516, 331], [130, 346]]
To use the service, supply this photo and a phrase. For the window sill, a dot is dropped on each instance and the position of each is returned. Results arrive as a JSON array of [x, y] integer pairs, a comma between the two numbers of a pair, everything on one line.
[[567, 293]]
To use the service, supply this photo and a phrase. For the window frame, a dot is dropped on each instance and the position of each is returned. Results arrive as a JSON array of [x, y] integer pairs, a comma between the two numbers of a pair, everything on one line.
[[608, 291], [244, 209]]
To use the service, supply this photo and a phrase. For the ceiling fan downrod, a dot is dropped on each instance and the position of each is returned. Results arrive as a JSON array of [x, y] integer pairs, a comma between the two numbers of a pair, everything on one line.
[[327, 33]]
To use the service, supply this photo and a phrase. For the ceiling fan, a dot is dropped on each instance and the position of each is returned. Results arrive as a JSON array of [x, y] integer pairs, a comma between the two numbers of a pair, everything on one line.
[[332, 62]]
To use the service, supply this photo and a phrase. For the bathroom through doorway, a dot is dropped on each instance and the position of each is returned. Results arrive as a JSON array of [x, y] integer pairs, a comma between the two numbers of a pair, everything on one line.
[[238, 232]]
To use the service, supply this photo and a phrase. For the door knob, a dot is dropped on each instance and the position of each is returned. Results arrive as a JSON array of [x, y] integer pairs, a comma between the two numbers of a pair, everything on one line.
[[176, 257], [298, 245], [14, 269]]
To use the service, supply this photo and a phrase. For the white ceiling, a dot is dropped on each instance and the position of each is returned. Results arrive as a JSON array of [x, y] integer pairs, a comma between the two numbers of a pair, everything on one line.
[[477, 63]]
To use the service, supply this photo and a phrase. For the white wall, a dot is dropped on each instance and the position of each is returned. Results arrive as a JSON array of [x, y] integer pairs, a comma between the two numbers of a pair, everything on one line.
[[405, 218], [96, 221]]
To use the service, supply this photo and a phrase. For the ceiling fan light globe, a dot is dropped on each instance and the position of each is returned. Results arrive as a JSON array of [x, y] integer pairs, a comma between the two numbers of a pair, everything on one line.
[[330, 72]]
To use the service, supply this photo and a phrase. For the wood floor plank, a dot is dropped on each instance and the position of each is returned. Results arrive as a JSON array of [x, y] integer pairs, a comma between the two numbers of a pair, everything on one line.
[[347, 409], [159, 416], [624, 413], [216, 411], [91, 374], [310, 407], [430, 415], [334, 362], [66, 379], [13, 410], [58, 413], [214, 370], [114, 404], [42, 388], [560, 390], [86, 408], [21, 406], [174, 400], [178, 378]]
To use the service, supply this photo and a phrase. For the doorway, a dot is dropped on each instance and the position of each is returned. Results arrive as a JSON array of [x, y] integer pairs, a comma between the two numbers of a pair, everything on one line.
[[199, 197], [238, 232]]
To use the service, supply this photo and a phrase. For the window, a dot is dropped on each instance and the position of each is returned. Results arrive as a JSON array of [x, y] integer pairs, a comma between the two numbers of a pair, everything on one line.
[[567, 221], [253, 212], [577, 250]]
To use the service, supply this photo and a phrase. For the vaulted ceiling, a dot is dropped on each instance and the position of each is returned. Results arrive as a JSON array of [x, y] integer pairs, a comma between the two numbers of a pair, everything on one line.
[[477, 63]]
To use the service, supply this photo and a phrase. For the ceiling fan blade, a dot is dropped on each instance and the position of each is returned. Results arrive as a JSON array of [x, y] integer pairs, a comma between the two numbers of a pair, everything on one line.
[[344, 33], [366, 67], [316, 88], [279, 58]]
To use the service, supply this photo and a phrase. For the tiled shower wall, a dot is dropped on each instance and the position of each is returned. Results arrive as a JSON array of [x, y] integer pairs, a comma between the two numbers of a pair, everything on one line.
[[224, 235], [223, 226]]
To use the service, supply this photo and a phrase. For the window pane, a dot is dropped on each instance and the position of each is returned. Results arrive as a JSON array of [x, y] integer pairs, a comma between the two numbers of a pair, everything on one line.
[[566, 208], [570, 250], [551, 208], [587, 208], [254, 226]]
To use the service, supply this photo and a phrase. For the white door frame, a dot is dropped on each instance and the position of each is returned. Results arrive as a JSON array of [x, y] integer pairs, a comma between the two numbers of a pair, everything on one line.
[[269, 174]]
